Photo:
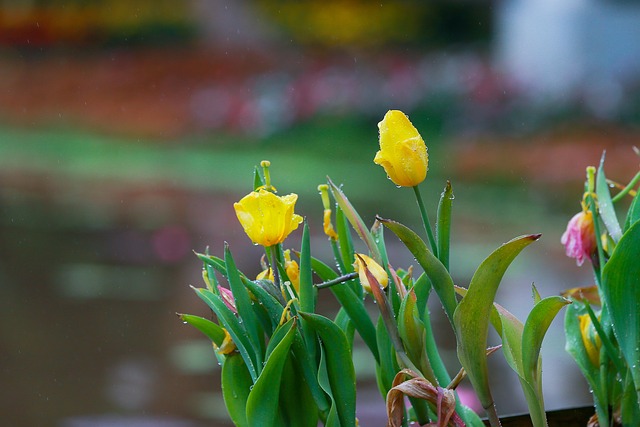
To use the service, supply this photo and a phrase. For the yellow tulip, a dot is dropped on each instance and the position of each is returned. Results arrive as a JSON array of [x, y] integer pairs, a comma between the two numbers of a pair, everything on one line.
[[376, 269], [266, 218], [403, 154], [590, 339]]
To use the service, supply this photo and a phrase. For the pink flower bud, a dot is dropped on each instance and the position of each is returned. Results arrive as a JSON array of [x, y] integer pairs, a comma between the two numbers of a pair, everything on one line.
[[580, 239]]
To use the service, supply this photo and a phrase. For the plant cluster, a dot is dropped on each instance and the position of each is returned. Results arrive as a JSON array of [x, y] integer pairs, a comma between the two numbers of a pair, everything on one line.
[[602, 326], [284, 364]]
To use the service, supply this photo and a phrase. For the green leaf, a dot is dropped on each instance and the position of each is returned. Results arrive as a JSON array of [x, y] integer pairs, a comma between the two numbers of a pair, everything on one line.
[[232, 325], [633, 215], [339, 364], [236, 385], [346, 243], [213, 331], [309, 372], [245, 309], [388, 367], [296, 402], [213, 261], [443, 224], [605, 205], [273, 306], [440, 279], [356, 221], [353, 305], [575, 347], [323, 379], [471, 317], [412, 332], [308, 293], [262, 403], [257, 179], [535, 328], [621, 291]]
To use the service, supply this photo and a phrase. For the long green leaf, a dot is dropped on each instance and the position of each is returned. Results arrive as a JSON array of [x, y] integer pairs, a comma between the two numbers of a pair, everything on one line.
[[232, 325], [605, 205], [340, 370], [471, 317], [245, 310], [308, 293], [356, 221], [621, 291], [236, 385], [443, 224], [440, 279], [262, 403]]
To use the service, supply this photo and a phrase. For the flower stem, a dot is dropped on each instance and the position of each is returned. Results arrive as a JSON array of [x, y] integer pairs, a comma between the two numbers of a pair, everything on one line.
[[626, 189], [425, 221], [271, 256]]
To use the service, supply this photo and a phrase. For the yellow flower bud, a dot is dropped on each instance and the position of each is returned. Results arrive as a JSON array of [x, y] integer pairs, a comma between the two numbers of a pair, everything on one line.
[[403, 154], [266, 218], [266, 274], [376, 269], [292, 269], [590, 339], [228, 346]]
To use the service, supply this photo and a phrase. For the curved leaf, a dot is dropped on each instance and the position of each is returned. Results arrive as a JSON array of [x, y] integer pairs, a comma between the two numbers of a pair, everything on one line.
[[535, 329], [471, 317], [440, 279], [605, 205], [236, 385], [621, 291], [245, 309], [339, 365], [232, 325], [296, 401], [356, 221], [262, 403], [212, 330]]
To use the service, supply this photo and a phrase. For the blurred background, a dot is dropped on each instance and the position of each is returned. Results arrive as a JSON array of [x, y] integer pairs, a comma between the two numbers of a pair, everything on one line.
[[128, 129]]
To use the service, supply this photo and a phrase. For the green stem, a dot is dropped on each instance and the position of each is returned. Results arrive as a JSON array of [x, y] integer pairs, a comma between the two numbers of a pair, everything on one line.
[[626, 189], [425, 221], [271, 257]]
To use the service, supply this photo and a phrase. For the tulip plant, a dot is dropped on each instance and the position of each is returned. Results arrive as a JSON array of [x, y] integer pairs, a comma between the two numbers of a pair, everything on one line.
[[284, 364], [602, 326]]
